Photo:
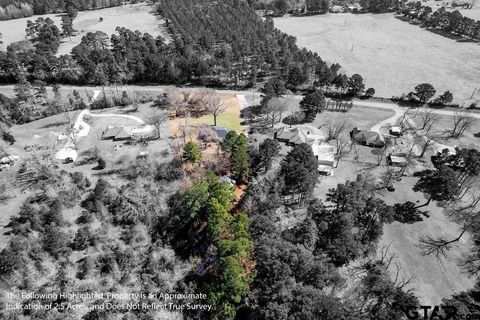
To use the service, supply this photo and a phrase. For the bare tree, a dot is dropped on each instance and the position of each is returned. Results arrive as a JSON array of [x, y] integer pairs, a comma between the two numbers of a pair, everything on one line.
[[172, 99], [408, 161], [404, 122], [439, 246], [274, 110], [335, 129], [71, 132], [214, 104], [425, 143], [464, 213], [380, 153], [387, 178], [462, 121], [157, 119], [428, 119], [341, 145]]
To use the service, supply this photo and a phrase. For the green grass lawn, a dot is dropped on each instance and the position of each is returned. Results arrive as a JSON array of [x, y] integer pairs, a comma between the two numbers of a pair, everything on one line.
[[230, 120]]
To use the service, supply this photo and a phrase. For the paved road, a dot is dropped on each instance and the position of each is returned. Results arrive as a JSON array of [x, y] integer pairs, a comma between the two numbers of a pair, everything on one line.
[[8, 91]]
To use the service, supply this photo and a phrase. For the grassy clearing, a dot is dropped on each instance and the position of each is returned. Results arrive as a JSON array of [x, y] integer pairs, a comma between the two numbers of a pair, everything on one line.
[[393, 56], [134, 17], [229, 119]]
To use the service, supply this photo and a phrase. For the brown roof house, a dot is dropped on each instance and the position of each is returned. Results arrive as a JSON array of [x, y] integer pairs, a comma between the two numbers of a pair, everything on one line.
[[368, 138], [303, 134], [118, 133]]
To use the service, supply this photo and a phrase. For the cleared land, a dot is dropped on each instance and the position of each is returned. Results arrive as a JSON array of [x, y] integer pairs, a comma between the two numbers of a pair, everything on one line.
[[229, 119], [393, 56], [134, 17]]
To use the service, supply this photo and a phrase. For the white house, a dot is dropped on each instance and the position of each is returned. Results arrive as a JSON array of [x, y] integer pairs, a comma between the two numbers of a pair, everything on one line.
[[325, 155]]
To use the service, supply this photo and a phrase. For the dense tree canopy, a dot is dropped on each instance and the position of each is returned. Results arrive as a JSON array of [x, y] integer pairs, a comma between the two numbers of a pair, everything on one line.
[[312, 104], [12, 9], [299, 170], [451, 22]]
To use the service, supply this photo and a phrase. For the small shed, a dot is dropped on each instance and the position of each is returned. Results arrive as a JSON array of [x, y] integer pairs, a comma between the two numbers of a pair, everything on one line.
[[396, 131], [143, 155], [396, 160]]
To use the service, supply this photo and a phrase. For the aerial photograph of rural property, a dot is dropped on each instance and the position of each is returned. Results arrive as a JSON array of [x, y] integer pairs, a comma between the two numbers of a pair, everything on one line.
[[239, 159]]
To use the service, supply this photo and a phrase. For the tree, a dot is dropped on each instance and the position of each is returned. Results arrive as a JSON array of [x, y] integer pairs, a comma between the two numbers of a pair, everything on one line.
[[157, 119], [426, 143], [102, 164], [214, 104], [241, 164], [294, 119], [462, 121], [317, 6], [280, 7], [341, 145], [67, 26], [429, 118], [274, 109], [299, 170], [312, 104], [274, 87], [445, 98], [370, 92], [341, 81], [424, 92], [267, 151], [297, 76], [232, 140], [336, 128], [406, 213], [8, 137], [355, 84], [440, 184], [71, 11], [191, 152]]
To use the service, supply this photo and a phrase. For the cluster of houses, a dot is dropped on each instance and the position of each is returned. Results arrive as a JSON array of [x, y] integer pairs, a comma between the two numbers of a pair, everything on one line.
[[325, 153], [314, 137]]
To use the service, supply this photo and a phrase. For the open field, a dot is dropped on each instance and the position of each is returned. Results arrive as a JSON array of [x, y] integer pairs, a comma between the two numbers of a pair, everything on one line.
[[134, 17], [393, 56]]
